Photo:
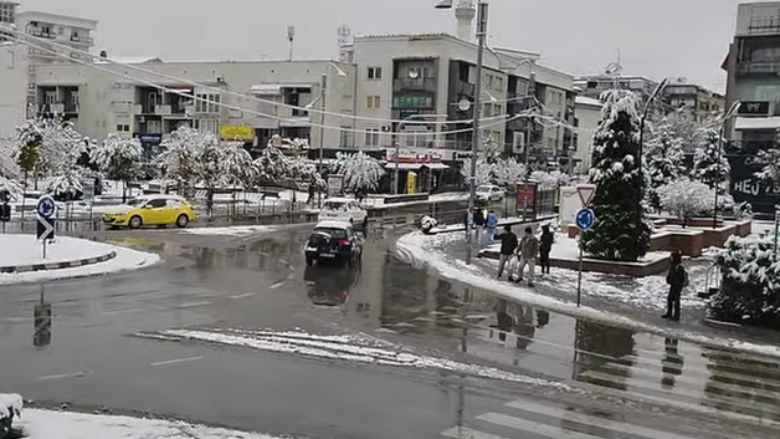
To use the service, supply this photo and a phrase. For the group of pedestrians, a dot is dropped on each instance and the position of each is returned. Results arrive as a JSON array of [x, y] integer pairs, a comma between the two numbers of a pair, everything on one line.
[[484, 225], [526, 250]]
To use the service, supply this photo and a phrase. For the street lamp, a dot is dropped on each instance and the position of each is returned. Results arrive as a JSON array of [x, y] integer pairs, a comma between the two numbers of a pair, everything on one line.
[[482, 22], [641, 149], [721, 133], [323, 108]]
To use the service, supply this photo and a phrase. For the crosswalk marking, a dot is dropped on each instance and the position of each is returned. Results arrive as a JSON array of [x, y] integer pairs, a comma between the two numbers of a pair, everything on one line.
[[468, 433], [533, 427], [595, 421]]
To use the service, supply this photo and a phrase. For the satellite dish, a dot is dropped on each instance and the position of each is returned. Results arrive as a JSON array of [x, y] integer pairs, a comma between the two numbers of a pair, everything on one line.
[[464, 104], [414, 73]]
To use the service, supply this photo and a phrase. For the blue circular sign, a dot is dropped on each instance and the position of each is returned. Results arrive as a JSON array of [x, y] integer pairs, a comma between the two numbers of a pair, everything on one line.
[[45, 207], [584, 219]]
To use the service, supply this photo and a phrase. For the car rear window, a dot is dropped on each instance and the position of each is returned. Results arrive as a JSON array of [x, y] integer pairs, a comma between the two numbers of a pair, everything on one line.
[[336, 233], [334, 205]]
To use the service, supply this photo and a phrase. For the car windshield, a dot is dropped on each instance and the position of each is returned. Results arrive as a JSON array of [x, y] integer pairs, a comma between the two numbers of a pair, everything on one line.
[[483, 189], [136, 202], [336, 233], [335, 205]]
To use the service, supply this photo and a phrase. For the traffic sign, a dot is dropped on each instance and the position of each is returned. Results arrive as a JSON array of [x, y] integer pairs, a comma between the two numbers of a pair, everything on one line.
[[46, 208], [45, 229], [5, 212], [586, 193], [584, 219]]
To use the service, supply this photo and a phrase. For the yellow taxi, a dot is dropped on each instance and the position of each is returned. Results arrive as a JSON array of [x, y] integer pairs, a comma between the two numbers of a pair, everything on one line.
[[151, 210]]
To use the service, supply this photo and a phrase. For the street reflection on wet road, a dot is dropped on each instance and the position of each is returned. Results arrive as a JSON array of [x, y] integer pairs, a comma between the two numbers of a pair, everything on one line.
[[263, 282]]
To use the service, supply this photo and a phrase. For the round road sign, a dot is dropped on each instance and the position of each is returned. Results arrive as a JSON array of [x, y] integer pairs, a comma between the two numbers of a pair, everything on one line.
[[46, 207], [584, 219]]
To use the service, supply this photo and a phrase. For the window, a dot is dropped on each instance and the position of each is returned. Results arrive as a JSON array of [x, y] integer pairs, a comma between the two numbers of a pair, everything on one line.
[[207, 125], [419, 72], [499, 84], [50, 97], [344, 137], [372, 137], [490, 81], [207, 103], [373, 102], [374, 73], [122, 128], [157, 203]]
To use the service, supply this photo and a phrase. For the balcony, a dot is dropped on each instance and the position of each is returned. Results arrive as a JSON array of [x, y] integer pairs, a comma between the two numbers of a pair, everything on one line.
[[87, 41], [163, 110], [747, 68], [414, 84], [466, 88], [126, 108], [71, 108], [57, 108], [41, 33]]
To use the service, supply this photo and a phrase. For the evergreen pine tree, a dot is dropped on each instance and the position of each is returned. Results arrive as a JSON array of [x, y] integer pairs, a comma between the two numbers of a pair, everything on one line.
[[705, 162], [617, 234], [663, 156]]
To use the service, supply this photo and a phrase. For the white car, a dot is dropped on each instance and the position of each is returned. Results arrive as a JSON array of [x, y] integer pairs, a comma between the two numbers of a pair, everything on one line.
[[344, 209], [489, 192]]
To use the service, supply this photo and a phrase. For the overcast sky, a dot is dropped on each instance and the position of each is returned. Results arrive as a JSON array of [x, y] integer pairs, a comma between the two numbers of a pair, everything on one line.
[[656, 38]]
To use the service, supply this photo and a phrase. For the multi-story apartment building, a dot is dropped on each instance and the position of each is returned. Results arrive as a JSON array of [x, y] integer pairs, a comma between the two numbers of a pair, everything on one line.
[[753, 66], [703, 103], [428, 78], [7, 16], [593, 86], [149, 106], [587, 114]]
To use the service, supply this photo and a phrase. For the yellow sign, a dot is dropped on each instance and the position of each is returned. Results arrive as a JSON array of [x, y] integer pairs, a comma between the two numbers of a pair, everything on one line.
[[236, 132], [411, 183]]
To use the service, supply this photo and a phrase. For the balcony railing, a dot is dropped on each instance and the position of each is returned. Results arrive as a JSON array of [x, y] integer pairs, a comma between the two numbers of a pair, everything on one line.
[[163, 110], [82, 39], [41, 33], [422, 84], [758, 68]]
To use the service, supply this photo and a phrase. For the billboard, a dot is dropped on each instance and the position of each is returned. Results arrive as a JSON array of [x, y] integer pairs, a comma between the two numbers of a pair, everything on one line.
[[236, 132], [745, 186]]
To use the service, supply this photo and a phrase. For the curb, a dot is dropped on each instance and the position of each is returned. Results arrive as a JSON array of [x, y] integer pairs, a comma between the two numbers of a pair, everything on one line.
[[58, 265]]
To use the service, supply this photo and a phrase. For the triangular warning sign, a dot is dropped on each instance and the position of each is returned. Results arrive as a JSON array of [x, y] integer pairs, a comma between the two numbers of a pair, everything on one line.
[[586, 193]]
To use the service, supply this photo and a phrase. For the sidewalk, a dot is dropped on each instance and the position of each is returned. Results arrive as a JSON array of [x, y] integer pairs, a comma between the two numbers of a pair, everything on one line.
[[633, 303]]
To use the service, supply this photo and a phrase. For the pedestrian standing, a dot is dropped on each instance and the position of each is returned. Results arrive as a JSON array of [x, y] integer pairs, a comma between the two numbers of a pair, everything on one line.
[[508, 246], [479, 223], [491, 222], [545, 247], [312, 189], [677, 278], [526, 255]]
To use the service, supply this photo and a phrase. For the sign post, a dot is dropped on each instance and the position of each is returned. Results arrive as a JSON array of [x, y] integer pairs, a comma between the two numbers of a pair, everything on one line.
[[45, 210], [777, 226], [584, 220], [5, 209]]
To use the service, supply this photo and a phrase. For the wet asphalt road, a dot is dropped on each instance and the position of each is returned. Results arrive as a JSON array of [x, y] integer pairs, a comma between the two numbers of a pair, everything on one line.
[[261, 282]]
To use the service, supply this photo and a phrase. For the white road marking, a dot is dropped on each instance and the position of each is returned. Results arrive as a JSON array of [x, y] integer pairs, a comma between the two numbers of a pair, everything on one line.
[[193, 304], [468, 433], [241, 296], [175, 361], [582, 418], [123, 311], [64, 375], [277, 285]]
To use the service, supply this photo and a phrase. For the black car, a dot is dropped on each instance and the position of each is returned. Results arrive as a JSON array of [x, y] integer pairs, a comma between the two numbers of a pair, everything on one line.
[[334, 241]]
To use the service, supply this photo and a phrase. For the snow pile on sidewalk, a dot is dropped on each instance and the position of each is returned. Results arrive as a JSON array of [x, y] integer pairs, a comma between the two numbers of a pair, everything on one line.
[[419, 251], [26, 250], [347, 348], [45, 424], [126, 260], [237, 231], [10, 404]]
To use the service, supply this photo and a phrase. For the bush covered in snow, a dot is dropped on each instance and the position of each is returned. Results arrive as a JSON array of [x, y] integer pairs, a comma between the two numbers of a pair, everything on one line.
[[750, 288], [552, 180], [663, 157], [686, 199], [118, 159], [620, 232], [360, 170], [427, 223], [10, 408]]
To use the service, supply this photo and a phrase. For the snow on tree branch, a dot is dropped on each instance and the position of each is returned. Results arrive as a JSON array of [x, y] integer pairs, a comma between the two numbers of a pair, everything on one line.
[[179, 159], [360, 170], [509, 172], [118, 158], [686, 199], [550, 180], [663, 156], [484, 174]]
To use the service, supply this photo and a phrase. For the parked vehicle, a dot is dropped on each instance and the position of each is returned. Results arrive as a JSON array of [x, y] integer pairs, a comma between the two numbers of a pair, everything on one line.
[[334, 241], [152, 210], [344, 209], [488, 192]]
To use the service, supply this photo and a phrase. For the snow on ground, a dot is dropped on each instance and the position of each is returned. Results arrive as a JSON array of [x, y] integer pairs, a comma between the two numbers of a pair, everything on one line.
[[45, 424], [237, 231], [126, 260], [10, 402], [351, 348], [420, 251], [27, 250]]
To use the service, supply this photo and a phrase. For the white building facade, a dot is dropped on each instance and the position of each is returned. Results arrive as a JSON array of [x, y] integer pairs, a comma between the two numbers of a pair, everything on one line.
[[7, 16], [587, 113], [228, 97], [13, 88]]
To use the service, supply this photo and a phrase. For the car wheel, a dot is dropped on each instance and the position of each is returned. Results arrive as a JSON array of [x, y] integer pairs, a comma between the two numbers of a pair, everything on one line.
[[135, 222], [182, 221]]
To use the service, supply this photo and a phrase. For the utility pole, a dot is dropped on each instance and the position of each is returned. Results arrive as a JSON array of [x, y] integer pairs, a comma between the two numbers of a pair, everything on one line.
[[324, 89]]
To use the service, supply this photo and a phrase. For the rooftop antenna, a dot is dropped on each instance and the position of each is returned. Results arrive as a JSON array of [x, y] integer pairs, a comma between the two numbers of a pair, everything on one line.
[[344, 33], [291, 40], [615, 70]]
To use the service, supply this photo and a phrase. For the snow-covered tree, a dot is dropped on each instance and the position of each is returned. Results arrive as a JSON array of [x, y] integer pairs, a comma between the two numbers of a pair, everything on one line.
[[179, 159], [236, 167], [663, 157], [508, 172], [686, 199], [620, 232], [48, 146], [66, 186], [484, 174], [491, 149], [118, 159], [360, 170], [550, 180], [271, 166], [705, 161]]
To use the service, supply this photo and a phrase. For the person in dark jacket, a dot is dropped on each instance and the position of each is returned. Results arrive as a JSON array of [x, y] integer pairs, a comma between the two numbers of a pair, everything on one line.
[[479, 223], [676, 278], [508, 247], [545, 247]]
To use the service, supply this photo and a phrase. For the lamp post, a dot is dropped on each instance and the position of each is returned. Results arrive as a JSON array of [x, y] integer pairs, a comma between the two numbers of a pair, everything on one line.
[[482, 22], [721, 133], [641, 149]]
